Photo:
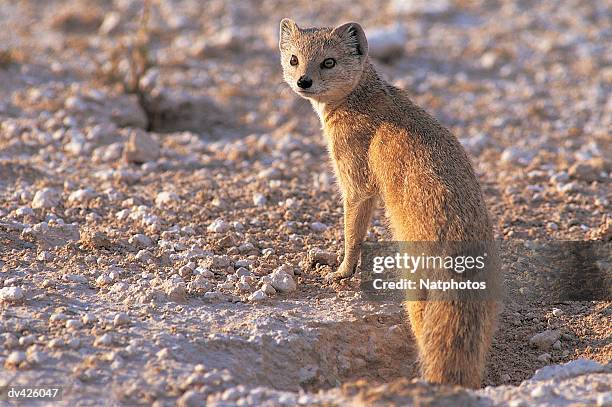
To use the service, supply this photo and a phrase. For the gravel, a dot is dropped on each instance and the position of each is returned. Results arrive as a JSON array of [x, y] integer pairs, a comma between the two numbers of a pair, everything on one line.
[[145, 239]]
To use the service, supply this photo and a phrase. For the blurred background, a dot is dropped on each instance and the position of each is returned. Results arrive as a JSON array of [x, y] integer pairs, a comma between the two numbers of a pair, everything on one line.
[[138, 138]]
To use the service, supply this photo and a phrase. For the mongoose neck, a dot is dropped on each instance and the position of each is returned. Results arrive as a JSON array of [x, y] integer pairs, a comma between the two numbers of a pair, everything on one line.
[[369, 85]]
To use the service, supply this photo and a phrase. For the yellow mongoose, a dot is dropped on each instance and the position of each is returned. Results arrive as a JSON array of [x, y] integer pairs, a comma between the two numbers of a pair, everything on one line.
[[384, 146]]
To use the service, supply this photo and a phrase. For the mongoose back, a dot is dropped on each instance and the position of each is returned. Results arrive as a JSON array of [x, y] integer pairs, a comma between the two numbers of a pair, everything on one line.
[[384, 147]]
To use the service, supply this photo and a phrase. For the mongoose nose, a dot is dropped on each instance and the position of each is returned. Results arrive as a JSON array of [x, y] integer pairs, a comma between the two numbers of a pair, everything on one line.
[[304, 82]]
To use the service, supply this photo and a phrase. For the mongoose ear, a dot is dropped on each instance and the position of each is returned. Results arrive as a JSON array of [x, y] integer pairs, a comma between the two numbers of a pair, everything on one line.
[[287, 28], [354, 34]]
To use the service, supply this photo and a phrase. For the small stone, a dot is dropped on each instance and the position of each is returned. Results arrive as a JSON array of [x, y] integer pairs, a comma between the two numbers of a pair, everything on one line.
[[89, 318], [163, 354], [242, 263], [287, 269], [269, 173], [141, 147], [191, 398], [544, 340], [215, 262], [557, 312], [568, 188], [557, 345], [75, 278], [488, 60], [73, 324], [58, 317], [121, 319], [243, 286], [27, 340], [604, 399], [97, 239], [516, 155], [246, 247], [9, 340], [103, 280], [56, 343], [11, 294], [539, 391], [166, 198], [45, 256], [569, 369], [242, 272], [282, 282], [46, 198], [318, 227], [36, 357], [559, 177], [218, 226], [104, 340], [544, 357], [141, 241], [81, 196], [144, 256], [258, 295], [74, 343], [583, 172], [323, 257], [24, 211], [505, 378], [176, 291], [268, 289], [204, 272], [259, 200], [110, 23], [185, 271], [15, 359]]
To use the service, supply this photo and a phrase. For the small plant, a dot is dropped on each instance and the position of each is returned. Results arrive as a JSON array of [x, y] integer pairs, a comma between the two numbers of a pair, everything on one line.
[[130, 60]]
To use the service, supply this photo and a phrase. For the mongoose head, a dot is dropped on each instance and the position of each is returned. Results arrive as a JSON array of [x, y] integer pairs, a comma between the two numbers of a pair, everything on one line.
[[323, 64]]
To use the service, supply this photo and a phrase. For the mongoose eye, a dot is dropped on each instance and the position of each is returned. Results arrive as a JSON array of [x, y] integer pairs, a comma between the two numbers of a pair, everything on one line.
[[293, 61], [328, 63]]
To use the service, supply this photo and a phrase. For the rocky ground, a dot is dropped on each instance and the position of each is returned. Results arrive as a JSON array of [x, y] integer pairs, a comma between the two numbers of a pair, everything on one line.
[[167, 213]]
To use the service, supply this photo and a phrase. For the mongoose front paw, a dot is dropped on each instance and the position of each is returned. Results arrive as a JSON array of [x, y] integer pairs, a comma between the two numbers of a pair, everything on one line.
[[344, 271]]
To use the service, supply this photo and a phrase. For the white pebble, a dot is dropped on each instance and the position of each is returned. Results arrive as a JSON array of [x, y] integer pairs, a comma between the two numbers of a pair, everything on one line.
[[46, 198], [318, 227], [282, 282], [268, 289], [103, 280], [218, 226], [56, 343], [104, 340], [24, 211], [165, 198], [121, 319], [259, 199], [11, 294], [16, 358], [73, 324], [258, 295], [45, 256], [89, 318]]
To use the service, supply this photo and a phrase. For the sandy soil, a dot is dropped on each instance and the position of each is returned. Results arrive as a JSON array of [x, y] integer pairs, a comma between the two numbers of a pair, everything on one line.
[[144, 225]]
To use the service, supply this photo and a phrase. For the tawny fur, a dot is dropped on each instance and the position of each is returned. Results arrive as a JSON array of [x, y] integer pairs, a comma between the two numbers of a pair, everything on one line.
[[384, 147]]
